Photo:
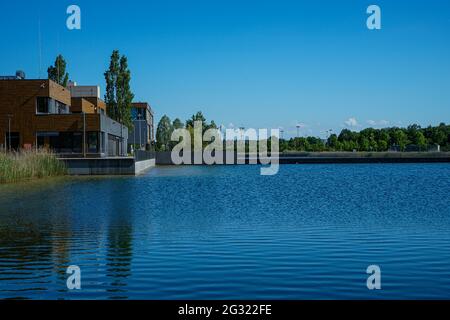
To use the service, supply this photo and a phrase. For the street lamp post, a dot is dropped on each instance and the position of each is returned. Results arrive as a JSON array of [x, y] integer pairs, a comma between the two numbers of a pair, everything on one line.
[[242, 130], [84, 135], [9, 131], [221, 127], [140, 131], [134, 138]]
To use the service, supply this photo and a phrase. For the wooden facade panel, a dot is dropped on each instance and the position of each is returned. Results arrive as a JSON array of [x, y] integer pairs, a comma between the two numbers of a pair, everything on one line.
[[100, 104], [82, 105], [59, 93], [66, 123]]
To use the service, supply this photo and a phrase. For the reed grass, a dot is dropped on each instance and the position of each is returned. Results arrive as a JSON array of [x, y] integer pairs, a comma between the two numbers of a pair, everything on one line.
[[28, 165]]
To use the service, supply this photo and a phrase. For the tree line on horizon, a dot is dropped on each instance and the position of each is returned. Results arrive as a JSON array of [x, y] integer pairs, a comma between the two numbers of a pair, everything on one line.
[[411, 138]]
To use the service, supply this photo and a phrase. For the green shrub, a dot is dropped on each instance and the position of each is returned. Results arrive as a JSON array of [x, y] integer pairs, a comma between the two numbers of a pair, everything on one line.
[[27, 165]]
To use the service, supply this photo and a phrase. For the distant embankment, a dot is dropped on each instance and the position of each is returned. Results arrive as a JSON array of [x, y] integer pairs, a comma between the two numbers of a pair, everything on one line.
[[164, 158], [364, 157]]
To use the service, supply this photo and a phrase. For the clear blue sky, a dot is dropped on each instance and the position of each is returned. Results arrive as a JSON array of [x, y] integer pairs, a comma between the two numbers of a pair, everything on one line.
[[261, 64]]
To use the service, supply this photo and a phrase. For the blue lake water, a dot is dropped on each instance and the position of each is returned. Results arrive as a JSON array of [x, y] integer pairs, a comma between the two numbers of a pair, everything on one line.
[[226, 232]]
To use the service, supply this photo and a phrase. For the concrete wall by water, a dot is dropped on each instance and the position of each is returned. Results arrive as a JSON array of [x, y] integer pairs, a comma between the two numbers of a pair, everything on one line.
[[107, 166]]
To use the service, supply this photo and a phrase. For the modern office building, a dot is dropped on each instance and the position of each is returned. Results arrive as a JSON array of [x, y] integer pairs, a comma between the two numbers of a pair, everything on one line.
[[143, 135], [70, 121]]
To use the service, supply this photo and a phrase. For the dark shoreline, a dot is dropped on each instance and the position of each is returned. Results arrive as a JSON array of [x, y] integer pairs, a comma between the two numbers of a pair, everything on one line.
[[348, 160], [164, 158], [364, 157]]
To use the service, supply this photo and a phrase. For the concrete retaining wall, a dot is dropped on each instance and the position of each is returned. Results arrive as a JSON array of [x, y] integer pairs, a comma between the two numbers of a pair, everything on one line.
[[107, 166], [143, 166]]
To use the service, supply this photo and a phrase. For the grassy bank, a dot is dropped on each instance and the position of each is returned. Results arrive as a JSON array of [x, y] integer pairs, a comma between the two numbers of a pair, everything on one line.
[[28, 165]]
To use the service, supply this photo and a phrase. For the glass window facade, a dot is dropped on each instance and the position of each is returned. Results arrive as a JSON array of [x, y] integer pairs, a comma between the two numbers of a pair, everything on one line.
[[92, 142], [45, 105], [61, 142], [138, 114], [42, 105]]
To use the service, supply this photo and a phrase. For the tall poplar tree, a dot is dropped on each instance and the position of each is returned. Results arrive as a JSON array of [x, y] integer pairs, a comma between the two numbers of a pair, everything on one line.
[[125, 96], [111, 86], [118, 96]]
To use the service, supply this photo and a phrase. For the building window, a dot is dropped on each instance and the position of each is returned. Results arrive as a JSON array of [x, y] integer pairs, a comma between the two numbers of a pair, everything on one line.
[[12, 140], [61, 108], [102, 142], [113, 146], [138, 114], [92, 142], [42, 105], [77, 142], [40, 142], [61, 142], [66, 142], [45, 105]]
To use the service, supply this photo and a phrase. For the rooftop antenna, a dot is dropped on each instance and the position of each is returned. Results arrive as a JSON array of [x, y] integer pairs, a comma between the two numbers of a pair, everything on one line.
[[39, 45], [57, 46]]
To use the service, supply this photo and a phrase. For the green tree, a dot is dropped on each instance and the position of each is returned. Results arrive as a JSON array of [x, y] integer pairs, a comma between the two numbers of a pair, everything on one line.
[[314, 144], [333, 142], [284, 145], [364, 144], [383, 145], [177, 124], [212, 125], [118, 96], [412, 133], [420, 140], [125, 96], [58, 72], [196, 117], [163, 134], [400, 138], [439, 136], [347, 135], [111, 77], [383, 140]]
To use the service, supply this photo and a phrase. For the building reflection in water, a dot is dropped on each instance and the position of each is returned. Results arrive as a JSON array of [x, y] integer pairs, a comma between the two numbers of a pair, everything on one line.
[[120, 239]]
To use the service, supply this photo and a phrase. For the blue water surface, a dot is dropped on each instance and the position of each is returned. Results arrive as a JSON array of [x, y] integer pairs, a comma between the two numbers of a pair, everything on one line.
[[226, 232]]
